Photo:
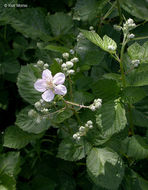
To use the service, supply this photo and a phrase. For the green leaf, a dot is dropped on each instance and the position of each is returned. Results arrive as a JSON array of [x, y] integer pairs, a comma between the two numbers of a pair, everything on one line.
[[35, 124], [136, 147], [7, 182], [105, 168], [106, 89], [103, 44], [136, 8], [16, 138], [133, 94], [9, 163], [72, 150], [60, 23], [111, 118], [88, 9], [35, 28], [140, 118], [56, 48], [26, 79], [135, 51]]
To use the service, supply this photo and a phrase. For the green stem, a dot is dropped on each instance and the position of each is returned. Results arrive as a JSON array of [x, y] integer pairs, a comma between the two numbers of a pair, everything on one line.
[[140, 38], [131, 132]]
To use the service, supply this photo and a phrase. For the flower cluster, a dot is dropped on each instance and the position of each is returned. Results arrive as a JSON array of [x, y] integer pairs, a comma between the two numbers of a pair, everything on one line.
[[136, 62], [67, 62], [41, 106], [83, 130], [127, 26], [50, 85], [96, 104], [41, 65]]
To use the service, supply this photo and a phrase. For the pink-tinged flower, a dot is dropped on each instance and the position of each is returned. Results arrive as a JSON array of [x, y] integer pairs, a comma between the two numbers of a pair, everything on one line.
[[50, 85]]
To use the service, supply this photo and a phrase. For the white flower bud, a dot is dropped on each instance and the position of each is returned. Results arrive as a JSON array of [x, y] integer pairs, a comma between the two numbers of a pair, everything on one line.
[[136, 65], [98, 105], [32, 113], [130, 21], [90, 126], [75, 136], [136, 61], [59, 60], [64, 65], [40, 63], [89, 122], [93, 108], [65, 55], [37, 104], [130, 36], [91, 28], [69, 64], [111, 47], [65, 69], [82, 129], [74, 60], [46, 66], [41, 100], [78, 138], [71, 72], [71, 51]]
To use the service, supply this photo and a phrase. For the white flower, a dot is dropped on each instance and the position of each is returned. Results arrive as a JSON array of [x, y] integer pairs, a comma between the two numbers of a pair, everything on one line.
[[64, 65], [50, 85]]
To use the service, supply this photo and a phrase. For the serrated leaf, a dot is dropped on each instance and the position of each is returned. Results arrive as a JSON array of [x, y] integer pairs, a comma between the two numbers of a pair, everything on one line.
[[140, 118], [7, 182], [105, 168], [106, 89], [35, 28], [9, 163], [102, 43], [56, 48], [26, 79], [111, 118], [16, 138], [133, 94], [136, 8], [71, 150], [136, 147], [60, 23], [35, 124]]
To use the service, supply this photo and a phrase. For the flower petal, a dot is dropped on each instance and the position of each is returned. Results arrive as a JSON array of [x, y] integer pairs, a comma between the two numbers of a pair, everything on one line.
[[46, 75], [60, 89], [40, 85], [59, 78], [48, 95]]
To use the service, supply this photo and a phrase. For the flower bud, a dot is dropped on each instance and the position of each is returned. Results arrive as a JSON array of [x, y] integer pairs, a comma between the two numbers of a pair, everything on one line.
[[75, 136], [117, 28], [71, 72], [65, 55], [46, 66], [40, 63], [74, 60], [65, 69], [69, 64], [37, 105], [90, 126], [93, 108], [91, 28], [111, 47], [71, 51], [98, 105], [82, 129], [136, 61], [63, 65], [89, 122], [130, 21]]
